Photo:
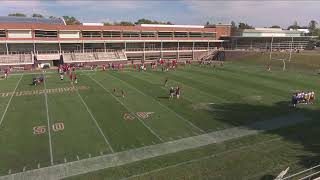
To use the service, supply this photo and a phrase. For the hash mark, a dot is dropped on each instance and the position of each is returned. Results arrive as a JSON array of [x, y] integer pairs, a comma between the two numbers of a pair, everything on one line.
[[65, 160], [24, 169], [78, 158], [9, 172], [38, 165], [89, 155]]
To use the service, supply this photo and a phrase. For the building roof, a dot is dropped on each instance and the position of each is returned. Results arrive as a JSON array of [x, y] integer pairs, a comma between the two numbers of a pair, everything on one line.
[[24, 26], [171, 26], [14, 19], [270, 30]]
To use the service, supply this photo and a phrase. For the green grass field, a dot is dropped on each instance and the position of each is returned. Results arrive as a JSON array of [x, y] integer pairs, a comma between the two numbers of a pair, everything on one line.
[[96, 120]]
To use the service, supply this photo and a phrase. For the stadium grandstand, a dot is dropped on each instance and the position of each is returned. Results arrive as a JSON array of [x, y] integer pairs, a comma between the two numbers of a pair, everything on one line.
[[261, 38], [34, 41]]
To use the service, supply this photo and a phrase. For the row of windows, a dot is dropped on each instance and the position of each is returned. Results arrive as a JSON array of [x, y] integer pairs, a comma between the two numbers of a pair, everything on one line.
[[40, 33], [2, 33], [129, 34]]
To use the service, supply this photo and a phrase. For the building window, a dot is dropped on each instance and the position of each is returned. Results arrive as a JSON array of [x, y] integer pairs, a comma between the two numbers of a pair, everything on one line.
[[91, 34], [148, 34], [165, 34], [40, 33], [209, 35], [130, 34], [111, 34], [2, 33], [180, 34], [195, 34]]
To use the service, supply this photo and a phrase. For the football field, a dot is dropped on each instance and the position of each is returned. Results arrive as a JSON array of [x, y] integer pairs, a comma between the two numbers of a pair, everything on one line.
[[59, 122]]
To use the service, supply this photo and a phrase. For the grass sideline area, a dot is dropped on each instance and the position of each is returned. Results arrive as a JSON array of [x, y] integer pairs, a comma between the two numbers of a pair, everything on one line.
[[76, 123]]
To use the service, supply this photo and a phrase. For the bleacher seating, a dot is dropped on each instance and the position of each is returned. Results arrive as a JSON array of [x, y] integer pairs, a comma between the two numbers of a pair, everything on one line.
[[94, 56], [16, 59], [208, 55]]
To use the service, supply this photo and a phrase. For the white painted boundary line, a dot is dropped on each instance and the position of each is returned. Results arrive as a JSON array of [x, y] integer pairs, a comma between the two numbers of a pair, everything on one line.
[[182, 118], [95, 121], [152, 131], [201, 158], [48, 119], [9, 102]]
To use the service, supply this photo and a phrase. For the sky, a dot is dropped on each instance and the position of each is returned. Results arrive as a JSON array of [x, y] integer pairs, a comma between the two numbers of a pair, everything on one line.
[[256, 13]]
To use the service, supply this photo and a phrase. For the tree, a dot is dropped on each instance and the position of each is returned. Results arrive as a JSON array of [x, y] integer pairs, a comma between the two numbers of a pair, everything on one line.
[[37, 15], [312, 27], [275, 26], [234, 28], [294, 25], [244, 26], [145, 21], [124, 23], [107, 24], [148, 21], [17, 14], [70, 20]]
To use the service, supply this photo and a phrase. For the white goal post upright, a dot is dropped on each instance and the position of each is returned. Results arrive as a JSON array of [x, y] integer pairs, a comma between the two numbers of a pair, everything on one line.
[[281, 59]]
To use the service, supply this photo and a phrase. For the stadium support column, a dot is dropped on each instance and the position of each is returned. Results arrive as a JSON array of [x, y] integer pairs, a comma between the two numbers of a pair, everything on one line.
[[104, 46], [34, 47], [236, 43], [178, 51], [82, 46], [192, 50], [144, 51], [161, 53], [7, 47], [125, 45], [59, 44], [266, 45], [208, 48]]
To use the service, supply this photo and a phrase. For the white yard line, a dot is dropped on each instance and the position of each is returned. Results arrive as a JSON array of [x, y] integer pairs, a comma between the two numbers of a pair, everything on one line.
[[126, 107], [95, 121], [182, 118], [48, 119], [9, 102]]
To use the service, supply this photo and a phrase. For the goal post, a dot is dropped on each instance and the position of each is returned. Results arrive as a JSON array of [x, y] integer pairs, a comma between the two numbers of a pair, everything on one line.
[[281, 56]]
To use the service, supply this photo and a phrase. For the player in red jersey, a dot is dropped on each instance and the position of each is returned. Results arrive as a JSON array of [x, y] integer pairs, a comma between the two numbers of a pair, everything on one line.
[[70, 76]]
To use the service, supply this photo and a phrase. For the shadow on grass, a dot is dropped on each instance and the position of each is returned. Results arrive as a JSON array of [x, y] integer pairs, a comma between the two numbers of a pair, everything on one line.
[[305, 133], [163, 97]]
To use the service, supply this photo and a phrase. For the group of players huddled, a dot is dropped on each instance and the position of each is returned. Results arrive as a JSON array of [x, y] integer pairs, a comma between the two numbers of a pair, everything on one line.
[[68, 70], [302, 97]]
